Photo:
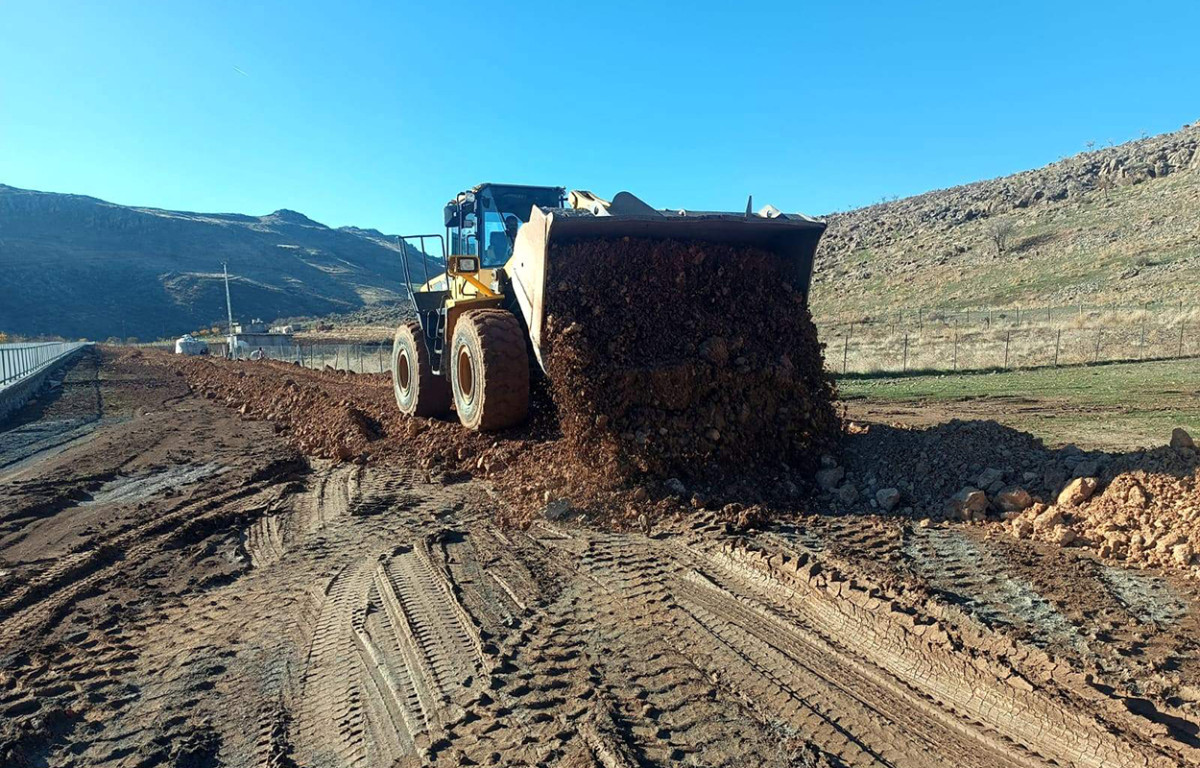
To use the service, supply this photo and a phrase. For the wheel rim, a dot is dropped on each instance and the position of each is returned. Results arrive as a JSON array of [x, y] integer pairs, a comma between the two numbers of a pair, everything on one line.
[[403, 371], [466, 375]]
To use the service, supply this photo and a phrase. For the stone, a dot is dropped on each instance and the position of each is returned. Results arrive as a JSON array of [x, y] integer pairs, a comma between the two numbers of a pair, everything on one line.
[[1181, 439], [828, 462], [989, 476], [847, 494], [888, 498], [1063, 536], [557, 510], [1048, 519], [676, 486], [829, 477], [1022, 528], [1182, 553], [1013, 498], [1086, 469], [967, 503], [1078, 491], [1136, 497]]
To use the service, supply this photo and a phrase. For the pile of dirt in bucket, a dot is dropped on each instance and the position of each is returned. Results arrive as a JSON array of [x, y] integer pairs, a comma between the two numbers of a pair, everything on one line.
[[684, 359]]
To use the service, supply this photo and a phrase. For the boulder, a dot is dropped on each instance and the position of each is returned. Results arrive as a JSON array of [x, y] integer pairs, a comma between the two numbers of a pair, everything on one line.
[[1014, 498], [847, 494], [989, 476], [967, 503], [1048, 519], [887, 498], [1078, 491], [1181, 439], [829, 477]]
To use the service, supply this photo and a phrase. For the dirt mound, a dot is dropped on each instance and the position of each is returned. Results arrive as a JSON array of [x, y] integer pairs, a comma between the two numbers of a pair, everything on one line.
[[699, 357], [1142, 508]]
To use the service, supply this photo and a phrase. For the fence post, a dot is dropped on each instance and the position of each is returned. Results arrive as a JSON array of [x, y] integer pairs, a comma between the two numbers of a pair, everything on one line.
[[1096, 355], [379, 351], [1057, 344], [1180, 352], [1007, 338], [846, 354], [1142, 346], [906, 352]]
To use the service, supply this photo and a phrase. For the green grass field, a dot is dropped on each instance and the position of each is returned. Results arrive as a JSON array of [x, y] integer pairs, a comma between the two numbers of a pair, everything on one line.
[[1118, 406]]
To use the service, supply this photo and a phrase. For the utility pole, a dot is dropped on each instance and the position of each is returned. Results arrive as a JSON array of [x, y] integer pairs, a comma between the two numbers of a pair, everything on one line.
[[228, 308]]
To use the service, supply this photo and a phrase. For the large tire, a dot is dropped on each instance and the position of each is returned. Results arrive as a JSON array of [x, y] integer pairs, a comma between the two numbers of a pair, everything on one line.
[[419, 391], [489, 370]]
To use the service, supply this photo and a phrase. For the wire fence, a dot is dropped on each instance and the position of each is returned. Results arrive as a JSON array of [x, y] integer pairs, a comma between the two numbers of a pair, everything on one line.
[[20, 361], [950, 349], [919, 319]]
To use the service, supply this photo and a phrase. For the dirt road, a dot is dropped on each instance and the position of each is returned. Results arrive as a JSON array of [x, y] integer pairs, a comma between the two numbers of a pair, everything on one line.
[[180, 586]]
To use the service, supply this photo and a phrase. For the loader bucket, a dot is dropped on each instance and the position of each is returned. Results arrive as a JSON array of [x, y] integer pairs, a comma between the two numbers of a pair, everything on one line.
[[531, 267]]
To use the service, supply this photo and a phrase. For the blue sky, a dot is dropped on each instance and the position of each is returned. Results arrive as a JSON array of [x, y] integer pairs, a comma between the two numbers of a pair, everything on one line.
[[375, 113]]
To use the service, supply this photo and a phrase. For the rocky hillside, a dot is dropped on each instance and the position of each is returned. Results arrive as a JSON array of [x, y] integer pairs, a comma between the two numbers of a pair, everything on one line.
[[1115, 225], [82, 267]]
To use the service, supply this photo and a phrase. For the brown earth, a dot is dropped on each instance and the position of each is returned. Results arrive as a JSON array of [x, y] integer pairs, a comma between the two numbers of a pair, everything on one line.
[[181, 584], [679, 370]]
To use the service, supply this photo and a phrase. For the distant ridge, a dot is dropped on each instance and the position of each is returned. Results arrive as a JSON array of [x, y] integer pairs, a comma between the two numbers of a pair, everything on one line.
[[78, 266]]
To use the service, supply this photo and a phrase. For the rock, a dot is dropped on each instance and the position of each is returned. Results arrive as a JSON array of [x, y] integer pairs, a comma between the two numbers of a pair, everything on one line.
[[828, 462], [847, 494], [1013, 498], [989, 476], [1022, 528], [967, 503], [557, 510], [1181, 439], [1182, 553], [713, 434], [1049, 518], [829, 477], [640, 494], [1063, 536], [1136, 497], [888, 498], [1086, 469], [676, 486], [925, 522], [1078, 491]]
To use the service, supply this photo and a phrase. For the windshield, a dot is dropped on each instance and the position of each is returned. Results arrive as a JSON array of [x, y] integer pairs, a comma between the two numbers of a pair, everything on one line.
[[503, 210]]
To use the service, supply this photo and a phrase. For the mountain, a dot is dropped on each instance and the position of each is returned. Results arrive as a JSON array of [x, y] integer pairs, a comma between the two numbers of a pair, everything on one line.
[[81, 267], [1115, 225]]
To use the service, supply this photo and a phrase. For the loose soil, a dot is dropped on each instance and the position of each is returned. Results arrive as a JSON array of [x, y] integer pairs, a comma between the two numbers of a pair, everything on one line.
[[190, 585], [701, 359]]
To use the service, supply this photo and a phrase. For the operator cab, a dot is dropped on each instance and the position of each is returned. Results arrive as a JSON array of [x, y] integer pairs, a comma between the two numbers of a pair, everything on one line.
[[483, 221]]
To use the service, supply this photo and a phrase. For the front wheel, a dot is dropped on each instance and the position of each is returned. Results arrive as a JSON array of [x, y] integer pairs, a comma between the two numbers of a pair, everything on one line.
[[419, 391], [489, 370]]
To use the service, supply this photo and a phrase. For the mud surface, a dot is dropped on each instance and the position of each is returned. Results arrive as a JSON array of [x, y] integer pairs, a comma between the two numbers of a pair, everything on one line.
[[186, 587]]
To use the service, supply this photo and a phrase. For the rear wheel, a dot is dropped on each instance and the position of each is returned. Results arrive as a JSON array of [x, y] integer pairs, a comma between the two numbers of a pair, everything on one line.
[[419, 391], [489, 370]]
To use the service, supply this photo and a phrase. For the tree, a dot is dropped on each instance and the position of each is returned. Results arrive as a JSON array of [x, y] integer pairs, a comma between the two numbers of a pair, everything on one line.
[[1000, 233]]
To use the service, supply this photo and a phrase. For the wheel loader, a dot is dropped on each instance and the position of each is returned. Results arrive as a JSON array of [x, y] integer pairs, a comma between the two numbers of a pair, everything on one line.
[[481, 294]]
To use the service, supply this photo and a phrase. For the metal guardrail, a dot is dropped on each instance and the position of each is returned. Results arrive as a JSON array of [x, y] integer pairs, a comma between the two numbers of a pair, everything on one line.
[[20, 361]]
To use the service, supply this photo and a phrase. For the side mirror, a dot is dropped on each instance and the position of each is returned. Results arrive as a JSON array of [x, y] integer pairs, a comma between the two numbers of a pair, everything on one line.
[[450, 214]]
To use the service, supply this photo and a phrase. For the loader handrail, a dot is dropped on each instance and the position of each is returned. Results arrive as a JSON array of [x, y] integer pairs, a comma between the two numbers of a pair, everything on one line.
[[424, 259]]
